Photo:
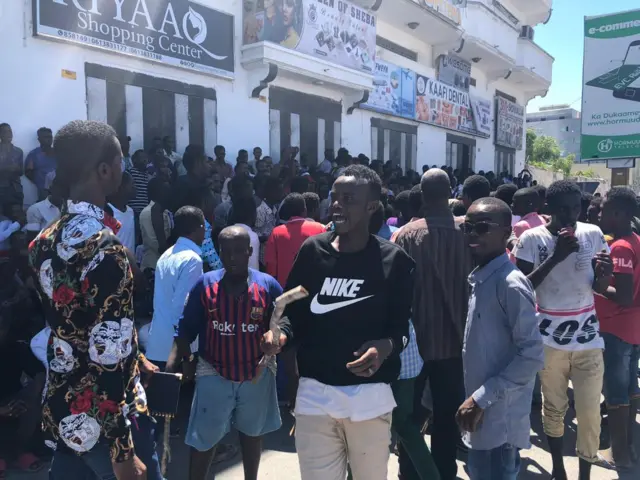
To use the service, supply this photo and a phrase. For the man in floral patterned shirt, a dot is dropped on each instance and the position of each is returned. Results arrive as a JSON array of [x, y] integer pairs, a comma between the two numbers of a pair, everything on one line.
[[86, 284]]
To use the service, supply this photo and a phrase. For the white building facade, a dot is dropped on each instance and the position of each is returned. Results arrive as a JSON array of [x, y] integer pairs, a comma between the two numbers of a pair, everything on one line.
[[417, 82]]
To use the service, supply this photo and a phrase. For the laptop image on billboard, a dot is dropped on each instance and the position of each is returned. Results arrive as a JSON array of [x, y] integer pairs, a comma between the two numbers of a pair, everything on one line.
[[623, 81]]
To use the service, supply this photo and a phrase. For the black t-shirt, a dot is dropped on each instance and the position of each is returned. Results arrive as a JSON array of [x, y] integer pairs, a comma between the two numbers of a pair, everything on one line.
[[184, 189], [353, 298]]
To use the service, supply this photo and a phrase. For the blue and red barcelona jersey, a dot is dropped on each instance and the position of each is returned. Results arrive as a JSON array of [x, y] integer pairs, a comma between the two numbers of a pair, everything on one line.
[[230, 327]]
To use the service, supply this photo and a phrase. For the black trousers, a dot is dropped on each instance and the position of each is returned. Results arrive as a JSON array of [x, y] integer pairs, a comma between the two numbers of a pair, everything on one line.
[[446, 381]]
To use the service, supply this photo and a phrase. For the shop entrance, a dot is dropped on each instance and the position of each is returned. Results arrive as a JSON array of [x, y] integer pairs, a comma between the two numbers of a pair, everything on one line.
[[145, 107], [505, 160], [461, 152], [312, 123], [394, 141]]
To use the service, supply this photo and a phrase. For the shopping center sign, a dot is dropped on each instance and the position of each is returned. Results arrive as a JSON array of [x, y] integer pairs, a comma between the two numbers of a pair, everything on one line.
[[335, 30], [611, 87], [175, 32], [445, 106]]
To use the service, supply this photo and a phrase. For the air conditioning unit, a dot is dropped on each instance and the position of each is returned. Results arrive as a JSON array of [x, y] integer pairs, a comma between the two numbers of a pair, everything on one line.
[[526, 32]]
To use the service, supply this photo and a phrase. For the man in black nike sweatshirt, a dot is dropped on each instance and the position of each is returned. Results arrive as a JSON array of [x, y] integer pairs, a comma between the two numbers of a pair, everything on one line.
[[349, 332]]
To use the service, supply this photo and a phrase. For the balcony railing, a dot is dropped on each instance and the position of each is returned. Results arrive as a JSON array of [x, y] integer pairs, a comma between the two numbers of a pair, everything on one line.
[[532, 57], [303, 66], [432, 21], [534, 11], [483, 25]]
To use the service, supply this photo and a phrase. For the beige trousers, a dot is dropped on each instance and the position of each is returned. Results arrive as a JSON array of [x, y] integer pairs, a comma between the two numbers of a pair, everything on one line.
[[326, 445], [585, 369]]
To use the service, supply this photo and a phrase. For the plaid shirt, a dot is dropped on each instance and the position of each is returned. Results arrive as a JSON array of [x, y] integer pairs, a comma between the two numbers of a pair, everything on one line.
[[410, 359]]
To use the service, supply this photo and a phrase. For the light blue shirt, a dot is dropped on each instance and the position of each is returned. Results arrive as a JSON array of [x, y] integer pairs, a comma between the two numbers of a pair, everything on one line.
[[177, 271], [325, 166], [502, 353]]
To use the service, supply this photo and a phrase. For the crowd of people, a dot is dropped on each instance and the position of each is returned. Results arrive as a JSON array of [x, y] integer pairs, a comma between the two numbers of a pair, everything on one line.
[[434, 299]]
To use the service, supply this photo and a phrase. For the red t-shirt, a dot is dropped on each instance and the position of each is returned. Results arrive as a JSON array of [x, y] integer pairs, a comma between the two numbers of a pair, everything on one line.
[[623, 322], [284, 243]]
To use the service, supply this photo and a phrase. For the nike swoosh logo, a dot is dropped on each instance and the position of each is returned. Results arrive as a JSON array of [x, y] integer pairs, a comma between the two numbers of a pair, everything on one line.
[[320, 309]]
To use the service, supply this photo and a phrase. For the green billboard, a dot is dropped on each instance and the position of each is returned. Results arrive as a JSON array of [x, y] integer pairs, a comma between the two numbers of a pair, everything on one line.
[[611, 86]]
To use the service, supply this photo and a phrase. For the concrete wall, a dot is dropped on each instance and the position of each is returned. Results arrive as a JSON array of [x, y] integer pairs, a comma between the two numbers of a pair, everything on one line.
[[546, 178]]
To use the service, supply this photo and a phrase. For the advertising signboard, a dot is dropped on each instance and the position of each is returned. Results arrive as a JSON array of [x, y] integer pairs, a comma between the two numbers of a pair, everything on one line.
[[175, 32], [482, 114], [454, 71], [611, 86], [445, 106], [393, 90], [509, 124], [335, 30]]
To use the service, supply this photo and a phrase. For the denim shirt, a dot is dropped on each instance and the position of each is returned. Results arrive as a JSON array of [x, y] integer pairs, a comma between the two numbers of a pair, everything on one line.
[[502, 353]]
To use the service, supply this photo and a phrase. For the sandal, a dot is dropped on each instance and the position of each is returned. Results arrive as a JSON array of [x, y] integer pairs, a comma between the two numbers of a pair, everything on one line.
[[28, 462], [3, 468], [605, 463], [223, 453]]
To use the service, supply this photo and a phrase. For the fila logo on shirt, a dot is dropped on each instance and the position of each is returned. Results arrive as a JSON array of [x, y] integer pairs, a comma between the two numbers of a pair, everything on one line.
[[622, 263], [337, 288]]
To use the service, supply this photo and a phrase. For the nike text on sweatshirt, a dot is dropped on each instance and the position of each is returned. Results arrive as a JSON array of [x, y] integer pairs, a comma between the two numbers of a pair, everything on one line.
[[353, 298]]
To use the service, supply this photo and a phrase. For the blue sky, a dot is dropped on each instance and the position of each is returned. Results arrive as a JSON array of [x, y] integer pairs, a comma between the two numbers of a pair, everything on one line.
[[563, 38]]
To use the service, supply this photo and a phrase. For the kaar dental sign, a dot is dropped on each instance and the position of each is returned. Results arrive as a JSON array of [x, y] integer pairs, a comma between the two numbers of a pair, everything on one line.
[[176, 32]]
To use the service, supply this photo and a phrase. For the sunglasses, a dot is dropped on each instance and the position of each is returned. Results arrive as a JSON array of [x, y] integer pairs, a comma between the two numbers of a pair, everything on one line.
[[481, 228]]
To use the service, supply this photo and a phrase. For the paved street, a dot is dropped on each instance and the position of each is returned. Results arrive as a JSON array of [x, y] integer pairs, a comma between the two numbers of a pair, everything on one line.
[[279, 461]]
